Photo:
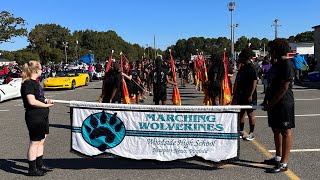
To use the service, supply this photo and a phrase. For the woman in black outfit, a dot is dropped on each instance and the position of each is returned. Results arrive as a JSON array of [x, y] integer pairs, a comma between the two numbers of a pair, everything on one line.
[[36, 117]]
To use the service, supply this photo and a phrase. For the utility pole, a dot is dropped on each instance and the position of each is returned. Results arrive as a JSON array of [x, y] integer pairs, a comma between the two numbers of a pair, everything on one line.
[[155, 51], [148, 50], [276, 25], [77, 49], [231, 6], [65, 44]]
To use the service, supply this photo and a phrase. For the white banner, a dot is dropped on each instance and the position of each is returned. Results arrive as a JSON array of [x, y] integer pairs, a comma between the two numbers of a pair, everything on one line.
[[163, 133]]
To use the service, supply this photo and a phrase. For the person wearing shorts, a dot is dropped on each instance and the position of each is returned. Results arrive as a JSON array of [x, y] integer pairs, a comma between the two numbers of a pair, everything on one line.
[[279, 103], [36, 117], [245, 91]]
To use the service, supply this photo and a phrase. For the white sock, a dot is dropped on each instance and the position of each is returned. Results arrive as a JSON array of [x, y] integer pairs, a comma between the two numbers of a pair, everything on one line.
[[277, 158], [284, 164]]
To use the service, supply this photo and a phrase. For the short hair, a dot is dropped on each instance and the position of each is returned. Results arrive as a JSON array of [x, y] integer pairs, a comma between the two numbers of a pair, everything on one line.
[[280, 46], [246, 54]]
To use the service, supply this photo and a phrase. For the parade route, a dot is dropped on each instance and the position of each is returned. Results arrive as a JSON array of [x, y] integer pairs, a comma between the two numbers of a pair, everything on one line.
[[303, 163]]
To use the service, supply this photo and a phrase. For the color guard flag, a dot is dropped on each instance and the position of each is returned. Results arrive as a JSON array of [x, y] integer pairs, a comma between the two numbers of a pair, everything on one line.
[[109, 61], [125, 92], [226, 96], [176, 100]]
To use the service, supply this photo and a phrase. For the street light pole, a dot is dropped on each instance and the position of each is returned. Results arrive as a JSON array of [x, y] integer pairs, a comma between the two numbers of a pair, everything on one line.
[[233, 27], [65, 50], [231, 6]]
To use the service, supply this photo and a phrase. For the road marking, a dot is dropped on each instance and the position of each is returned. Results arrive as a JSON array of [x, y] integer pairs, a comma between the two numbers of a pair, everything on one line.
[[289, 173], [314, 99], [55, 93], [17, 100], [298, 90], [4, 110], [297, 99], [297, 115], [299, 150]]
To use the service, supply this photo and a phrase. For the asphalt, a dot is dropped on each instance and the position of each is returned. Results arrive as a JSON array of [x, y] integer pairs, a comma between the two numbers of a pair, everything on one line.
[[302, 164]]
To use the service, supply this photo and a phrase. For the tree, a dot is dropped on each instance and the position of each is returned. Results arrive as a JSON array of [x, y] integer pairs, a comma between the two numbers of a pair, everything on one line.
[[241, 43], [11, 26], [255, 43], [305, 37]]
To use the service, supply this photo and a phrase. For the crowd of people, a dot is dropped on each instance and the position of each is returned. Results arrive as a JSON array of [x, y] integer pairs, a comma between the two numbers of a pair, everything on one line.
[[276, 72]]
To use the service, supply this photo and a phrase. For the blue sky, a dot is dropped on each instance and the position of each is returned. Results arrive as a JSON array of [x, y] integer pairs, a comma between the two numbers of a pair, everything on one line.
[[136, 21]]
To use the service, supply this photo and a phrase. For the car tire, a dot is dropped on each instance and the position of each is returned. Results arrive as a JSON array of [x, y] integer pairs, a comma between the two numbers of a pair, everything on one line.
[[73, 84], [87, 82]]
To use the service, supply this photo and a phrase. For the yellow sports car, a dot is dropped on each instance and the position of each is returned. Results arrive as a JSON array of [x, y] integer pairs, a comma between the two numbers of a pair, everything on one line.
[[67, 80]]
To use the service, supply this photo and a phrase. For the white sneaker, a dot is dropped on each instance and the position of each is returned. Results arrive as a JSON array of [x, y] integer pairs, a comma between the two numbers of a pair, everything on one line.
[[241, 134], [250, 137]]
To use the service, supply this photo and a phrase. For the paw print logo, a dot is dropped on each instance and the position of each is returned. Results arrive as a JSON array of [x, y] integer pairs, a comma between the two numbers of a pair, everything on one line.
[[103, 130]]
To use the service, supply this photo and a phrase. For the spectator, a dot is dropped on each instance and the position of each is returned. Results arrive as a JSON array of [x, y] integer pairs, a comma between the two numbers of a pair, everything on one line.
[[264, 74], [312, 62], [298, 62]]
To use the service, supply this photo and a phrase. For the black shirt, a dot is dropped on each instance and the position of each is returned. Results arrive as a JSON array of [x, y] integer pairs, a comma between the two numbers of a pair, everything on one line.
[[159, 82], [31, 87], [245, 77], [111, 82], [281, 71], [98, 67]]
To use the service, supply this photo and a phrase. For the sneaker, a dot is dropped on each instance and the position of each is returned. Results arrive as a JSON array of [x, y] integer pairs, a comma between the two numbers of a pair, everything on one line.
[[250, 137], [279, 168], [271, 161], [241, 134]]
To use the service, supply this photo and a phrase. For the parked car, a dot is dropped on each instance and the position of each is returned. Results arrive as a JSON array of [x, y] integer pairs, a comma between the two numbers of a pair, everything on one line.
[[10, 90], [67, 80]]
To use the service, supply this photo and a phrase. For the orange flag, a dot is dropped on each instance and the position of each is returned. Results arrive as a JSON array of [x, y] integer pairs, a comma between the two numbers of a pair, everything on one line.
[[176, 100], [226, 96], [126, 98]]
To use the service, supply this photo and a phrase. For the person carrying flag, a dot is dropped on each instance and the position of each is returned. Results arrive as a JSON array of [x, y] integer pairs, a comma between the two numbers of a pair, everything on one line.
[[159, 78]]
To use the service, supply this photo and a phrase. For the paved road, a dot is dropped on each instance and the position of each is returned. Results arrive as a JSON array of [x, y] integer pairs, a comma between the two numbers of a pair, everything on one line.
[[304, 162]]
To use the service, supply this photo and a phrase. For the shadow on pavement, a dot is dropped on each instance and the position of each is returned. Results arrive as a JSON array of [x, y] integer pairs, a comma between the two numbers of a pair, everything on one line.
[[60, 126], [251, 164], [10, 165], [308, 85]]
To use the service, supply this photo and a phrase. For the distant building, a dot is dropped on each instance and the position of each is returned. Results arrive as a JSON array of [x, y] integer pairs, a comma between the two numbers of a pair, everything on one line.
[[316, 36], [302, 48]]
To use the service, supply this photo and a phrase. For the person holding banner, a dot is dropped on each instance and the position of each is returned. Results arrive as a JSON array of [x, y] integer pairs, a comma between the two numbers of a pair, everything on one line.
[[36, 117], [215, 77], [111, 90], [159, 77], [279, 103], [245, 92]]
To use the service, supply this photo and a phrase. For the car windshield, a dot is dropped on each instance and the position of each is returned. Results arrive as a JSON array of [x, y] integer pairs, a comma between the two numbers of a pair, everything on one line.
[[67, 74]]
